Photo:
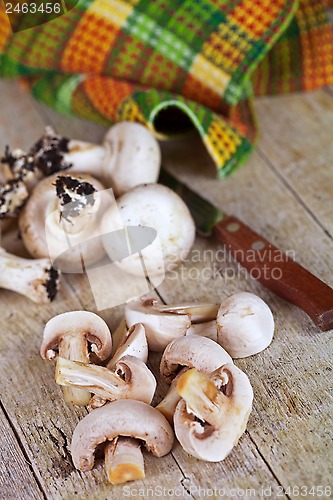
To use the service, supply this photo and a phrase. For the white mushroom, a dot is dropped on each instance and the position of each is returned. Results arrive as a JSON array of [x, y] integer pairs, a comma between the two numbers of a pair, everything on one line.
[[187, 352], [34, 278], [128, 156], [122, 418], [133, 343], [160, 327], [213, 412], [157, 207], [60, 219], [245, 324], [69, 335], [129, 379]]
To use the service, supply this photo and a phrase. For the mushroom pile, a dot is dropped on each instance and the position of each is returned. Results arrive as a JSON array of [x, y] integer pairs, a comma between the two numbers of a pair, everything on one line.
[[209, 400], [57, 192]]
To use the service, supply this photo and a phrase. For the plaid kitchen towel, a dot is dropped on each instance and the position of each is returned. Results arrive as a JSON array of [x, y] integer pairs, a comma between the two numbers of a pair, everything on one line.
[[159, 61]]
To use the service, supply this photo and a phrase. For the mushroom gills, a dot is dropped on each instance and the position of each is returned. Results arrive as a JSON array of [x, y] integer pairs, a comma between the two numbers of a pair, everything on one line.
[[124, 460]]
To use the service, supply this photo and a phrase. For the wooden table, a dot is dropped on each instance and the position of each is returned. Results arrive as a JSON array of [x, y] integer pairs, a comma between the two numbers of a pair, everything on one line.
[[285, 192]]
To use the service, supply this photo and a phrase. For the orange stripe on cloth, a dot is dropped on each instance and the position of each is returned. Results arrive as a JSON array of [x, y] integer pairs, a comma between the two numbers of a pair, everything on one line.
[[256, 17], [89, 45], [107, 94], [5, 29]]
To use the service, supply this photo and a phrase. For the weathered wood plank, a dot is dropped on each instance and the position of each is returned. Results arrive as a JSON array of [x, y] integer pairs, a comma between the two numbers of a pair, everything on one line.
[[30, 396], [296, 138], [291, 378], [16, 478]]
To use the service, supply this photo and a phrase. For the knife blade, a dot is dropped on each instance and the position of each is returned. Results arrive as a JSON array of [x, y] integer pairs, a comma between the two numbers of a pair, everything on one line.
[[266, 263]]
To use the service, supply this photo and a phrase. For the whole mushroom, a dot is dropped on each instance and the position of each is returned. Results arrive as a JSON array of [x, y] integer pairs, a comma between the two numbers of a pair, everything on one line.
[[112, 422], [245, 324], [13, 195], [213, 412], [128, 156], [34, 278], [72, 335], [157, 207], [61, 218]]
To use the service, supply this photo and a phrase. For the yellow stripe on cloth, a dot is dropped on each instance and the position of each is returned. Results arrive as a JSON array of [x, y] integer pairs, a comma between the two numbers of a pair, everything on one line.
[[114, 11], [207, 73]]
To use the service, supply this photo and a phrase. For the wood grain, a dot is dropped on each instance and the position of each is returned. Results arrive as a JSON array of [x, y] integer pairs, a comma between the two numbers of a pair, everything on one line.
[[288, 438]]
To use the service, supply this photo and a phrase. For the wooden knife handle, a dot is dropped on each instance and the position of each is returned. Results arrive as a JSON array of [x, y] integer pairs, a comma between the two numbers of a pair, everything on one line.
[[276, 271]]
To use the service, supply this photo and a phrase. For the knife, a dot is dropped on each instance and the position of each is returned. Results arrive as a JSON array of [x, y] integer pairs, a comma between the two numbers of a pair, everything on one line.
[[282, 276]]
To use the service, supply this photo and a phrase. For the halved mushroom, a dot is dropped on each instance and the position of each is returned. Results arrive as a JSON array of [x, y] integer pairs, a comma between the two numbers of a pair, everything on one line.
[[134, 343], [160, 327], [122, 418], [61, 218], [191, 352], [34, 278], [157, 207], [70, 335], [194, 352], [245, 325], [213, 412], [129, 379]]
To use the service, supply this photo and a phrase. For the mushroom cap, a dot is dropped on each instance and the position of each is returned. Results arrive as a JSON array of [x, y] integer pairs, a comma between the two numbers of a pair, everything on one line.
[[37, 226], [195, 352], [160, 208], [245, 324], [134, 156], [160, 327], [84, 323], [120, 418], [197, 435]]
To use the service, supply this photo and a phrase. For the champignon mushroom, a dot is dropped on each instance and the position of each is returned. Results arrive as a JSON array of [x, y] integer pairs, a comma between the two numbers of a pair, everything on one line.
[[60, 220], [122, 418], [245, 324], [13, 195], [34, 278], [129, 379], [161, 328], [192, 352], [69, 335], [213, 412], [157, 207], [134, 343], [128, 156]]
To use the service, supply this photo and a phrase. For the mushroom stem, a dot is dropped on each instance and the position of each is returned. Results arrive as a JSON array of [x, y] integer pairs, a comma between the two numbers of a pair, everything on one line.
[[34, 278], [202, 396], [85, 157], [74, 347], [168, 404], [130, 379], [124, 460], [13, 195]]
